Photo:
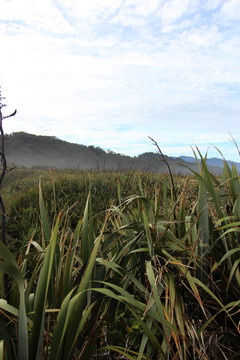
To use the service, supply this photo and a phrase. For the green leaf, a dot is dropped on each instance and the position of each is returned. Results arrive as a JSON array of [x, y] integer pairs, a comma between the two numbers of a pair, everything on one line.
[[226, 256], [87, 233], [148, 234], [155, 289], [123, 352], [44, 217], [13, 271], [152, 338], [80, 304], [1, 349], [6, 255], [41, 295]]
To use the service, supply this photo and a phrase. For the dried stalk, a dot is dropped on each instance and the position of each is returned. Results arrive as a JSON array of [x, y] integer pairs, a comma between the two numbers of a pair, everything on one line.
[[170, 174]]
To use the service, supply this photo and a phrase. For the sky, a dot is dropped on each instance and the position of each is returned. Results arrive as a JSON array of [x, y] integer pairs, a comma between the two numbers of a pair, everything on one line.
[[110, 73]]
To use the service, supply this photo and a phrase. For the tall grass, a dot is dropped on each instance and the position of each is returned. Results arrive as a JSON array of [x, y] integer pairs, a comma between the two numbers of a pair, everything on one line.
[[133, 281]]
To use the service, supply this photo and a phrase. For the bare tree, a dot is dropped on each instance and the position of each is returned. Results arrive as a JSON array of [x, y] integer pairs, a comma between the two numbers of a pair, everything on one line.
[[3, 173], [4, 166]]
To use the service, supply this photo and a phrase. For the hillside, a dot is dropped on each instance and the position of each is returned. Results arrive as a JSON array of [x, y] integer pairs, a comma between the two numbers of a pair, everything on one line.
[[28, 150]]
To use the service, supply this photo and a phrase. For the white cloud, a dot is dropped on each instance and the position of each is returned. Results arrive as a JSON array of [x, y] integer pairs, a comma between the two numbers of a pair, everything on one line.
[[38, 15], [211, 4], [175, 9], [231, 10], [112, 73], [91, 10]]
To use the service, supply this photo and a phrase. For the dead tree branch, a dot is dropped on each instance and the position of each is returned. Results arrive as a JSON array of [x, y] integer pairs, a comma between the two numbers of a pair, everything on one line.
[[3, 173], [170, 174], [5, 170]]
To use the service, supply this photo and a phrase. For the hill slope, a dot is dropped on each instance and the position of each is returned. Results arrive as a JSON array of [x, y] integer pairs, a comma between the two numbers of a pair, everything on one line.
[[27, 150]]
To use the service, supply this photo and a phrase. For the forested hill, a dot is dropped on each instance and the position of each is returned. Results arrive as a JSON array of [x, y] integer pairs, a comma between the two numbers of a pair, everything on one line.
[[27, 150]]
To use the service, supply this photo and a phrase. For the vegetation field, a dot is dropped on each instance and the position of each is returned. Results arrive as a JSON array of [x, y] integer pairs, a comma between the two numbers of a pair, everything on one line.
[[120, 265]]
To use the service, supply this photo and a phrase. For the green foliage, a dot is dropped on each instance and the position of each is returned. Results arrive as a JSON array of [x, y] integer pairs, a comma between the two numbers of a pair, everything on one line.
[[108, 272], [67, 191]]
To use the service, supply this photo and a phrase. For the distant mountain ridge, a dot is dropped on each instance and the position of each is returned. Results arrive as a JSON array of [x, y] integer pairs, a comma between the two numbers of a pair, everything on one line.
[[211, 161], [28, 150]]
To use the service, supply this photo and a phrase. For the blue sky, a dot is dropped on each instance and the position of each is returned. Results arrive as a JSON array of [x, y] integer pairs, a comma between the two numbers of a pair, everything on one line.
[[110, 73]]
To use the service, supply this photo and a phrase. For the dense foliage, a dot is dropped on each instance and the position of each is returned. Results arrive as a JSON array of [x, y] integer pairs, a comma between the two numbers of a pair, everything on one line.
[[68, 190], [107, 265]]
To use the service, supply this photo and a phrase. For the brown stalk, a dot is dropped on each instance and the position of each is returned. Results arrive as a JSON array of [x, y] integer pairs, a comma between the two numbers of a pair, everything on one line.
[[170, 174]]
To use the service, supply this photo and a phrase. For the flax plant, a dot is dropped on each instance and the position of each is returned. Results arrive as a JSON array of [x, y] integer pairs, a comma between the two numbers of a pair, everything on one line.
[[50, 311], [154, 276], [181, 284]]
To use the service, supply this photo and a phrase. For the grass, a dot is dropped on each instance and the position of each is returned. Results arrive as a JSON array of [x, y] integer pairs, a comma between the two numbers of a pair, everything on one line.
[[105, 270]]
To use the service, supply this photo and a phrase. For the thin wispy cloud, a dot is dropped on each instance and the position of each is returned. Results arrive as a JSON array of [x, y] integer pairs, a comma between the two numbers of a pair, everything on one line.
[[110, 73]]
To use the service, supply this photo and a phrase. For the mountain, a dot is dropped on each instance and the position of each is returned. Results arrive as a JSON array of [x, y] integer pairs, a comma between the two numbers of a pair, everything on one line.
[[28, 150], [211, 161]]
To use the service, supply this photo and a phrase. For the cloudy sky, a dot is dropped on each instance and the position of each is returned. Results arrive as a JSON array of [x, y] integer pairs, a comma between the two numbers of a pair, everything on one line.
[[110, 73]]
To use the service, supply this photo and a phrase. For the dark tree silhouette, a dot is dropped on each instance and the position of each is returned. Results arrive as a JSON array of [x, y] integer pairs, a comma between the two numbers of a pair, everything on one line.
[[3, 173], [4, 167]]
